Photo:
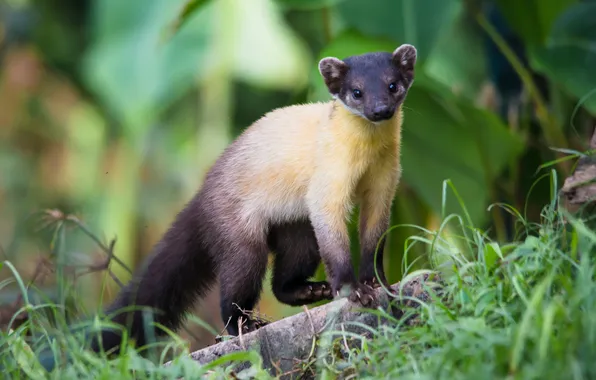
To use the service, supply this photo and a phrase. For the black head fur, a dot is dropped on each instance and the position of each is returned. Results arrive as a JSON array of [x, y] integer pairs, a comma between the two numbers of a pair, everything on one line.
[[371, 85]]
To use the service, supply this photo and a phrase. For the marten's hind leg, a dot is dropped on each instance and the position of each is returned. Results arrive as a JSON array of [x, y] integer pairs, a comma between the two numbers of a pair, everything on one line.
[[296, 260], [241, 274]]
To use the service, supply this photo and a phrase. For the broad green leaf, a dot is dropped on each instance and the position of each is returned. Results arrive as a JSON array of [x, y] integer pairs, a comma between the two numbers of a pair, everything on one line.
[[444, 137], [24, 356], [190, 7], [307, 4], [134, 65], [570, 52], [491, 255], [404, 21], [532, 19], [143, 59], [449, 138], [266, 52], [458, 59]]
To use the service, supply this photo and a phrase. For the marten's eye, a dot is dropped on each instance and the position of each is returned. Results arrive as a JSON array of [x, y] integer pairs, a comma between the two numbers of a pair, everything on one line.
[[393, 87], [357, 93]]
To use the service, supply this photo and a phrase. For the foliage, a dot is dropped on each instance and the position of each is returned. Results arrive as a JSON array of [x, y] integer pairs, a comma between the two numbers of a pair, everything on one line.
[[568, 49], [521, 310]]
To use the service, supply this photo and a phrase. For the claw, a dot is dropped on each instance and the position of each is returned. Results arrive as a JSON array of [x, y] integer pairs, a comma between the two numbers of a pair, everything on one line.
[[372, 283]]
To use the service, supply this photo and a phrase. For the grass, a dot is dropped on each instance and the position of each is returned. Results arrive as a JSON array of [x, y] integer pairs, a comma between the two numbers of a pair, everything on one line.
[[521, 310], [524, 309]]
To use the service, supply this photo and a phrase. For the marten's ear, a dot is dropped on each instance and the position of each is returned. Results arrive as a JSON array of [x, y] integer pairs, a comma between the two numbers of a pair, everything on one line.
[[404, 57], [333, 71]]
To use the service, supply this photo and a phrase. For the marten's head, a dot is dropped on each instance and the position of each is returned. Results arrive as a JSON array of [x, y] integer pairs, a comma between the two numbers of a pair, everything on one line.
[[371, 85]]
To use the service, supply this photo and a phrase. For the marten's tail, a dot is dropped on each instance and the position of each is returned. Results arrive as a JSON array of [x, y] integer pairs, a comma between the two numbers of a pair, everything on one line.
[[178, 272]]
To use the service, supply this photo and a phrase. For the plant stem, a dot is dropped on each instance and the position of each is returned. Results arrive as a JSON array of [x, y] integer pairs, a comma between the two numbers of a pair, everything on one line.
[[552, 132]]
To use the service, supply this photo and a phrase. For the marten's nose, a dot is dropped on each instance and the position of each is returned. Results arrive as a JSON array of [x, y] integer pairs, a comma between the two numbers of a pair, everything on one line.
[[382, 113]]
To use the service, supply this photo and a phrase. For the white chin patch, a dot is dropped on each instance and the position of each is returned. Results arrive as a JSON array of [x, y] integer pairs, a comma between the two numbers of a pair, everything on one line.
[[352, 110], [358, 113]]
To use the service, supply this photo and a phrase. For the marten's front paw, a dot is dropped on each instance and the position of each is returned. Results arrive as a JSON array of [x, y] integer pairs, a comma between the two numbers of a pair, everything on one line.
[[363, 294]]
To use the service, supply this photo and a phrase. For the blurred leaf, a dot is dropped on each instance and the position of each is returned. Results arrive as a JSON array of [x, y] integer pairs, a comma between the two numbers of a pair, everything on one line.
[[134, 70], [138, 68], [85, 143], [190, 7], [266, 52], [352, 42], [405, 21], [449, 138], [24, 356], [532, 19], [457, 59], [570, 49], [491, 255], [444, 137], [307, 4]]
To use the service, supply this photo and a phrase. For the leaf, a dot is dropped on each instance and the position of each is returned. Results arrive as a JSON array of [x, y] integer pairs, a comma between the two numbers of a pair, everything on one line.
[[24, 356], [449, 138], [532, 19], [570, 53], [189, 8], [484, 303], [405, 21], [135, 70], [307, 4], [265, 51], [443, 137], [492, 253], [143, 58], [457, 59]]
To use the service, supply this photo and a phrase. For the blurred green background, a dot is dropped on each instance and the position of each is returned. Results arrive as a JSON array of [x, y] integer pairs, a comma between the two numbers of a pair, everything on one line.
[[113, 111]]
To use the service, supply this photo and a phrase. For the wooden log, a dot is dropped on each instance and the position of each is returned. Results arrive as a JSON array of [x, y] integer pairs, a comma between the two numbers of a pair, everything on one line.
[[579, 189], [285, 345]]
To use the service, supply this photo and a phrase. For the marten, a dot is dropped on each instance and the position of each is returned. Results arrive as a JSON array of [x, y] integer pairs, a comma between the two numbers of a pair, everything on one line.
[[286, 185]]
